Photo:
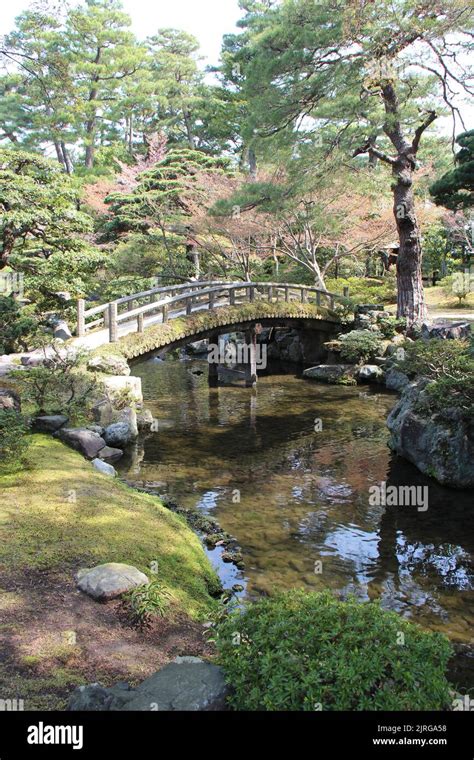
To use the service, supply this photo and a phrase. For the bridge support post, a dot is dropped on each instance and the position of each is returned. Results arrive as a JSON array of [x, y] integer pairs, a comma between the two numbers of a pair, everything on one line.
[[213, 375], [81, 322], [251, 364], [112, 322]]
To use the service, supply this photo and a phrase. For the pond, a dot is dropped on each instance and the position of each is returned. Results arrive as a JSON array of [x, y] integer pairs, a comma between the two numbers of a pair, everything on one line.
[[287, 469]]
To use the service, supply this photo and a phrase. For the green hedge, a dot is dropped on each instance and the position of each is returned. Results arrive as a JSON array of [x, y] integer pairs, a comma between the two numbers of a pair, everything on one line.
[[309, 651]]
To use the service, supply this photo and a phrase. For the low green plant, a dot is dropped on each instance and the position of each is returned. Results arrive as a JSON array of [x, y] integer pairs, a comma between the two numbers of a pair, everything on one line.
[[146, 602], [365, 289], [61, 384], [17, 327], [309, 651], [14, 441], [389, 326], [449, 365], [360, 346]]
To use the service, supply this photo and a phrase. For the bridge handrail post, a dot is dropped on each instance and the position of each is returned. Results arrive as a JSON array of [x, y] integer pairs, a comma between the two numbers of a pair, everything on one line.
[[304, 295], [318, 298], [251, 292], [164, 312], [211, 300], [140, 323], [232, 296], [189, 306], [270, 293], [112, 322], [287, 293], [81, 320]]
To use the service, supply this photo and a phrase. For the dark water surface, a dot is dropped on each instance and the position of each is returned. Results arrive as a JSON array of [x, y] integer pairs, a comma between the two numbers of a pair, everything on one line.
[[304, 494]]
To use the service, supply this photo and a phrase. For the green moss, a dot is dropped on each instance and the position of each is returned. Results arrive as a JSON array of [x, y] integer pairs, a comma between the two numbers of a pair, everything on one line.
[[60, 514]]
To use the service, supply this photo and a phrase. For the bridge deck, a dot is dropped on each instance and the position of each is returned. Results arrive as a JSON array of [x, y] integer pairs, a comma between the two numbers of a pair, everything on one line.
[[161, 304]]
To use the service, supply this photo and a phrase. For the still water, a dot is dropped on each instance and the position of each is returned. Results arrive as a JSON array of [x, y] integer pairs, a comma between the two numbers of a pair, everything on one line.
[[295, 495]]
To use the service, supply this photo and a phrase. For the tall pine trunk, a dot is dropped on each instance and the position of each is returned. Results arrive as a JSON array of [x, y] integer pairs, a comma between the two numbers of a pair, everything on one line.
[[410, 297]]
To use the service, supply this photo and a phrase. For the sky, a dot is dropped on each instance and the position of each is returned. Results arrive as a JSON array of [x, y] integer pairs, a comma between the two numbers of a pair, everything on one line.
[[208, 20]]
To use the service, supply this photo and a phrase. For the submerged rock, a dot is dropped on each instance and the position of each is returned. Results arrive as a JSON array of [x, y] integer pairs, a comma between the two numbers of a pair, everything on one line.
[[110, 580], [328, 373]]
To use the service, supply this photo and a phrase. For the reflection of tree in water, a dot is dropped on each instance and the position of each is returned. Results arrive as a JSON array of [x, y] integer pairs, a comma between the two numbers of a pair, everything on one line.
[[425, 556], [450, 562]]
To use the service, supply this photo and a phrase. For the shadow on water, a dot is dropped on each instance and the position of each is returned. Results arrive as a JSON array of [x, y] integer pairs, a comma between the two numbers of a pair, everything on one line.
[[297, 496]]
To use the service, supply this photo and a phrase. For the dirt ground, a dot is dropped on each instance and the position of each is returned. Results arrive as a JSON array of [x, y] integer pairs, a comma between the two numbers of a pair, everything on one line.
[[53, 638]]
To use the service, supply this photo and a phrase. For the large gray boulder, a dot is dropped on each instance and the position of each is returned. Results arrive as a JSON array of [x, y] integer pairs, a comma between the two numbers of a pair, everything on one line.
[[441, 447], [61, 330], [370, 373], [109, 365], [396, 380], [116, 386], [110, 454], [9, 400], [110, 580], [186, 684], [104, 468], [446, 330], [49, 423], [124, 431], [328, 373], [145, 419], [81, 439]]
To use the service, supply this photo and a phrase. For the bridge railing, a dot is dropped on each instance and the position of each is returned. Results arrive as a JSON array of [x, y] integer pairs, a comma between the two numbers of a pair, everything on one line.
[[85, 324], [178, 300]]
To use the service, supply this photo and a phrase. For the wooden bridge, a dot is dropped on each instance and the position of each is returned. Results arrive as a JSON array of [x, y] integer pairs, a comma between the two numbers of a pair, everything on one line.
[[136, 312]]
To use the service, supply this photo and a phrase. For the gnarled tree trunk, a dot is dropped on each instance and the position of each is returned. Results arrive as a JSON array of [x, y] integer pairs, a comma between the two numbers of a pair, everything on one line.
[[410, 298]]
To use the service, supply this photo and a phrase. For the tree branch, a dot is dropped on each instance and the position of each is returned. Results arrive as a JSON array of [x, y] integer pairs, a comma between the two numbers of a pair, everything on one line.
[[432, 115]]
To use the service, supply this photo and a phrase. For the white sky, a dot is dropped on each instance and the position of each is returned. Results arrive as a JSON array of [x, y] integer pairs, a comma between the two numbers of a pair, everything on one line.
[[208, 20]]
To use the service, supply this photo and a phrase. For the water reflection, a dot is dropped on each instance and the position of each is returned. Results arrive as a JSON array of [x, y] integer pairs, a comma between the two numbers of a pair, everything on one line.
[[304, 494]]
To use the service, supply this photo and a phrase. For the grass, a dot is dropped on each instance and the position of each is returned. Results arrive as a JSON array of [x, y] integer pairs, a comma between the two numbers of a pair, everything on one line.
[[59, 514], [438, 297]]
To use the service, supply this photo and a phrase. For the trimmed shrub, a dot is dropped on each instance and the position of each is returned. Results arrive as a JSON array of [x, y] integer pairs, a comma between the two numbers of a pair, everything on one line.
[[17, 328], [360, 346], [309, 651]]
